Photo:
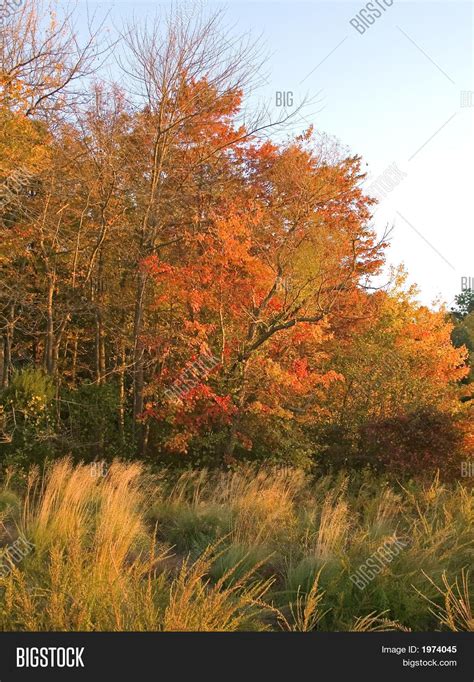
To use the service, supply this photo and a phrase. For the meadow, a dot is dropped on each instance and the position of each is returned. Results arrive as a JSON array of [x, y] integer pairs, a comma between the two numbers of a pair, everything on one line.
[[248, 549]]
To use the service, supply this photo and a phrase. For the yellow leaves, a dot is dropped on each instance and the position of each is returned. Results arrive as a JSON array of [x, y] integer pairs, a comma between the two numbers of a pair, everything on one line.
[[23, 143], [178, 443], [403, 360]]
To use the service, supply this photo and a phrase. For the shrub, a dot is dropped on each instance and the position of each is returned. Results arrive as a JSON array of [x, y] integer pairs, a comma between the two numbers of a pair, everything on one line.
[[417, 443], [90, 416], [27, 418]]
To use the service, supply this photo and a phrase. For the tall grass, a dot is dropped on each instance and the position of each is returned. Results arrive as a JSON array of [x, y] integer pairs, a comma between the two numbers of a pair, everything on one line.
[[248, 549]]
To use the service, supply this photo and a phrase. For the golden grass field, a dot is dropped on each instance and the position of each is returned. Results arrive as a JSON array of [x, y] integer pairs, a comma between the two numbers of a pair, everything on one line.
[[245, 550]]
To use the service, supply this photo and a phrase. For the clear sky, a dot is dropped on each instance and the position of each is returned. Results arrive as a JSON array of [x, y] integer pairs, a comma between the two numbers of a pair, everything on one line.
[[393, 95]]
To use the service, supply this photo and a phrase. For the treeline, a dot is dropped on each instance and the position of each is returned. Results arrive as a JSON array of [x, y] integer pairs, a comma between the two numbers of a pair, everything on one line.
[[149, 226]]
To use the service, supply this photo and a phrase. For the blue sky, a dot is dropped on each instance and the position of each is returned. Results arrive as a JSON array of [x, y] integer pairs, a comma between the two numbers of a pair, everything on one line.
[[391, 95]]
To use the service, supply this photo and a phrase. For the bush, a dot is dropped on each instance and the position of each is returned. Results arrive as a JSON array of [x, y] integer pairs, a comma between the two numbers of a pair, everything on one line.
[[27, 417], [417, 443], [90, 416]]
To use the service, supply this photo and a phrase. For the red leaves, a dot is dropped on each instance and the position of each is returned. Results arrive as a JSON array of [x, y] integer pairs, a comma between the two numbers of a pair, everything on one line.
[[270, 248], [300, 368]]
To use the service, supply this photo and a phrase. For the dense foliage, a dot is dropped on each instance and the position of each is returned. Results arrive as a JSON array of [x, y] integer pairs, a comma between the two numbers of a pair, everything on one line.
[[148, 224]]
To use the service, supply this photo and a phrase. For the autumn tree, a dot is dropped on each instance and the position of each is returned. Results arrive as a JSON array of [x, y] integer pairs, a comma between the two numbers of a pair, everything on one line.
[[400, 367], [282, 259]]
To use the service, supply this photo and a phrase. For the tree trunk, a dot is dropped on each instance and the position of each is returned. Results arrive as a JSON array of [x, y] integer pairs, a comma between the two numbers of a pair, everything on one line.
[[232, 440], [138, 350], [99, 324], [2, 360], [74, 360], [7, 348], [99, 347], [49, 341], [122, 394], [138, 362]]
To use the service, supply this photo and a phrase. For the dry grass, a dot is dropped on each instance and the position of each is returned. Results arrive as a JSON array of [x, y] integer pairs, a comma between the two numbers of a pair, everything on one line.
[[228, 605], [376, 622], [248, 549], [456, 610], [334, 524], [92, 553], [306, 612]]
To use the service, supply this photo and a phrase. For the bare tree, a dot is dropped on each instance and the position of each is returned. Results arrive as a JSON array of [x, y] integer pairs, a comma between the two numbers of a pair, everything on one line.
[[40, 48]]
